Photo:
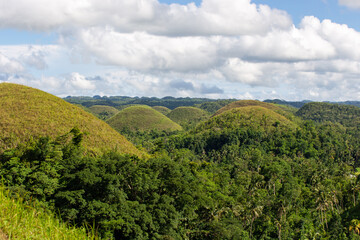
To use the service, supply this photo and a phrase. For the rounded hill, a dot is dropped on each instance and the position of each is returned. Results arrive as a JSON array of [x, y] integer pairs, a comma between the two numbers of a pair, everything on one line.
[[162, 109], [26, 113], [327, 112], [188, 115], [103, 112], [247, 116], [246, 103], [142, 118]]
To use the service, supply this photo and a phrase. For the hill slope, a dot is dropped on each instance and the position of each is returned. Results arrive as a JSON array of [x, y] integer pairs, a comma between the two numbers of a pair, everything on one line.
[[162, 109], [249, 116], [27, 112], [188, 115], [142, 118], [21, 221], [103, 112], [246, 103], [321, 112]]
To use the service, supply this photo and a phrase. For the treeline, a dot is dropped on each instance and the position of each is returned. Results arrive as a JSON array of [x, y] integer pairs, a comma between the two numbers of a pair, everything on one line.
[[207, 104]]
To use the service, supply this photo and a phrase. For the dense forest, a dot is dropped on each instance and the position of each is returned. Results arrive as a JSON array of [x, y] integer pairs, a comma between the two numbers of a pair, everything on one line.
[[250, 171]]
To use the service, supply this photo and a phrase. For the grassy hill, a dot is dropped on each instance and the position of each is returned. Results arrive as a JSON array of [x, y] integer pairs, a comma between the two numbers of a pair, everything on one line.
[[246, 103], [103, 112], [21, 221], [162, 109], [247, 116], [142, 118], [321, 112], [186, 116], [26, 113]]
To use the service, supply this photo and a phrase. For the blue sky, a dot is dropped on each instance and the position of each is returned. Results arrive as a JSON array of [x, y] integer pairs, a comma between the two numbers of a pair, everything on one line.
[[242, 49]]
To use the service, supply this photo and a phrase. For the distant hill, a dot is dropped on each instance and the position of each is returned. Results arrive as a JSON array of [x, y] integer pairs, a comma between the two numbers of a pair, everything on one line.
[[27, 112], [213, 106], [162, 109], [246, 103], [321, 112], [103, 112], [188, 115], [247, 116], [142, 118], [299, 104], [287, 103]]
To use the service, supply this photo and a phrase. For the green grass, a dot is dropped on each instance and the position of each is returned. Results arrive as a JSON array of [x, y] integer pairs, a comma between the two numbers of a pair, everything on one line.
[[21, 221], [246, 103], [27, 113], [188, 115], [162, 109], [249, 116], [142, 118], [103, 112]]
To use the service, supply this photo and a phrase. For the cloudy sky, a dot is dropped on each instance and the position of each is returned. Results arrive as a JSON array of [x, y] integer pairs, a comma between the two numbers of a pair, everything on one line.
[[244, 49]]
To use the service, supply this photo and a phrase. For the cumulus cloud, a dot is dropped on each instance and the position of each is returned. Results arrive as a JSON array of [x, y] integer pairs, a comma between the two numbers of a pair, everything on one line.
[[141, 51], [181, 85], [204, 89], [350, 3], [8, 65], [212, 17], [79, 81], [212, 49]]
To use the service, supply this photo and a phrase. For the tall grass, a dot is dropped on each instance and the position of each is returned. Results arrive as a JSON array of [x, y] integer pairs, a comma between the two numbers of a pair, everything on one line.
[[21, 221]]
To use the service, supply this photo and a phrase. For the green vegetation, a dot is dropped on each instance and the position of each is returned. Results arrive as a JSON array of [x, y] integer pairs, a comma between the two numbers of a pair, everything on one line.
[[321, 112], [142, 118], [188, 117], [19, 220], [161, 109], [120, 101], [213, 106], [27, 113], [103, 112], [245, 103], [252, 171], [247, 116]]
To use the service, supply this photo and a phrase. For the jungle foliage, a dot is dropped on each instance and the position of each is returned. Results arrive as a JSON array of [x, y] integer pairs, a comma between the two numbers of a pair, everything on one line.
[[247, 173]]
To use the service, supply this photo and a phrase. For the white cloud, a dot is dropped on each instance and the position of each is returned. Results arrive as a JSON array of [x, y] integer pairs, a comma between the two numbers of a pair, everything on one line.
[[8, 65], [141, 51], [216, 48], [350, 3], [34, 56], [213, 17], [79, 81]]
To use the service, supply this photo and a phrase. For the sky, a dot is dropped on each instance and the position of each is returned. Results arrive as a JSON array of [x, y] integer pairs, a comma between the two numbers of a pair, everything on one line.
[[243, 49]]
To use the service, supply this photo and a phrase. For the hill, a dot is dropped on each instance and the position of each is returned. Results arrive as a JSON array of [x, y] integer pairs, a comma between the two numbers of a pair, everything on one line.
[[247, 116], [186, 116], [21, 221], [321, 112], [246, 103], [142, 118], [27, 113], [162, 109], [103, 112]]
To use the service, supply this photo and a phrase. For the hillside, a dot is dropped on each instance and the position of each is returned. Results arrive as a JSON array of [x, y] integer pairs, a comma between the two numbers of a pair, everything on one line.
[[142, 118], [247, 116], [321, 112], [103, 112], [246, 103], [188, 116], [27, 113], [162, 109], [21, 221]]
